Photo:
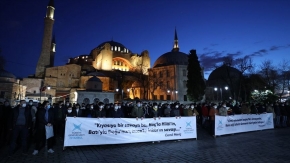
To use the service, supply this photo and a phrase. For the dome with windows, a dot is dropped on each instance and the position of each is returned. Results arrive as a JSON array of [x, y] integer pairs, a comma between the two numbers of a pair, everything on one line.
[[172, 58], [115, 46]]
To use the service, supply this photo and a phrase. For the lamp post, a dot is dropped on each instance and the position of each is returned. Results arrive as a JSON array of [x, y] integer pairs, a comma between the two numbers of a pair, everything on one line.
[[215, 89], [221, 90], [117, 90], [128, 90], [173, 91]]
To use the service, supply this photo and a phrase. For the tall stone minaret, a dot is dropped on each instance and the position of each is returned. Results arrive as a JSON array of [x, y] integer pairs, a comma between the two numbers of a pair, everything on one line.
[[45, 55], [175, 45], [52, 51]]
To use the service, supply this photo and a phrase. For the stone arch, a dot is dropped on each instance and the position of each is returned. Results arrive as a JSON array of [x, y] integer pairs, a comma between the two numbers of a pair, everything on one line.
[[106, 101], [96, 100], [86, 101]]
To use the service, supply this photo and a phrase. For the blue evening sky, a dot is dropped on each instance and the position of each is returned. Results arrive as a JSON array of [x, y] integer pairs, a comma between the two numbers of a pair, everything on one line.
[[215, 28]]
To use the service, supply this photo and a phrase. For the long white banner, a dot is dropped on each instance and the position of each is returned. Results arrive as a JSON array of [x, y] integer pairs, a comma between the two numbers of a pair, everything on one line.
[[243, 123], [94, 131]]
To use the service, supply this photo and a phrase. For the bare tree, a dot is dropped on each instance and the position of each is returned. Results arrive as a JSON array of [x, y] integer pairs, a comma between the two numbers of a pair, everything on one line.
[[243, 65], [284, 74], [269, 72]]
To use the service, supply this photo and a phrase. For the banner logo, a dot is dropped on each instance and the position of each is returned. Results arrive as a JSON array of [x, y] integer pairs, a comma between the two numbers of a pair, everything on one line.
[[220, 125], [188, 124], [77, 127]]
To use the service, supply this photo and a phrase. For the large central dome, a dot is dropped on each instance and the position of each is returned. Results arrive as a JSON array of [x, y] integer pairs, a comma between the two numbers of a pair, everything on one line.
[[115, 46], [172, 58]]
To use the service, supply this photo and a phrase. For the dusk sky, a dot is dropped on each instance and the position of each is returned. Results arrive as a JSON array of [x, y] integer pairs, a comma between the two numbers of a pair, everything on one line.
[[215, 28]]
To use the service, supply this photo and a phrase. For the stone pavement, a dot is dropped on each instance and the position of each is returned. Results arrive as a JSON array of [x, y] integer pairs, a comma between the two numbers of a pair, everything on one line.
[[257, 147]]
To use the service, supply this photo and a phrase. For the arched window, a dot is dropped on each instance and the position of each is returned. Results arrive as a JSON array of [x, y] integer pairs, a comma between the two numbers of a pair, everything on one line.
[[119, 48], [106, 101], [96, 100], [184, 72], [86, 101], [115, 48]]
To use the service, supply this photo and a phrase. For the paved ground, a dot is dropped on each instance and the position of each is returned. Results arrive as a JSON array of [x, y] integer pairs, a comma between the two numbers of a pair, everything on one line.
[[257, 147]]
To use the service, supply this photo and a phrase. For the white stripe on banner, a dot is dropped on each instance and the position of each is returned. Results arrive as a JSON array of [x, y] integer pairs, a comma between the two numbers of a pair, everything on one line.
[[94, 131], [243, 123]]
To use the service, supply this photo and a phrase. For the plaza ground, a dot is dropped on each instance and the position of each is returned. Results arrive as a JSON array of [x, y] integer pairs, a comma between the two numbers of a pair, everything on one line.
[[257, 147]]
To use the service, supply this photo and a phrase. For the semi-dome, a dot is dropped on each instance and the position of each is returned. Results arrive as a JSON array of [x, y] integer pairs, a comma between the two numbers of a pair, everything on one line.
[[115, 46], [6, 74], [172, 58], [94, 84], [94, 79]]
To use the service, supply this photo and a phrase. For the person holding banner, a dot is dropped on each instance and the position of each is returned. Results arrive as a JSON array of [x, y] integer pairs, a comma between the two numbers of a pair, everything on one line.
[[223, 111], [212, 112], [45, 117]]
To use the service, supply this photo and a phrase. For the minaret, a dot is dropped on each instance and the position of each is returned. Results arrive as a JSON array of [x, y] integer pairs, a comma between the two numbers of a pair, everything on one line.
[[45, 55], [175, 45], [52, 51]]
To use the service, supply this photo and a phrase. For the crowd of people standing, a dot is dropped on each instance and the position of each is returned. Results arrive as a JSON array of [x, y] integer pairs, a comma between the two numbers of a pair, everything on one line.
[[25, 123]]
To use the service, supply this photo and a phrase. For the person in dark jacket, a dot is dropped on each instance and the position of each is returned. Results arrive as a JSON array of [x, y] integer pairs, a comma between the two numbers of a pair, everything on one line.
[[278, 115], [45, 117], [117, 112], [20, 123], [70, 112], [79, 111], [283, 115], [90, 111], [6, 113], [100, 111]]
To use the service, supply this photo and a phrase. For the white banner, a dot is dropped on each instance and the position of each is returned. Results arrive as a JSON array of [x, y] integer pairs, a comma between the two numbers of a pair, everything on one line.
[[94, 131], [243, 123]]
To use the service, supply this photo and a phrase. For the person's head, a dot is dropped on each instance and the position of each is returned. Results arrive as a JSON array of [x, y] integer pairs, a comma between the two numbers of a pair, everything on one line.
[[67, 103], [214, 106], [6, 103], [83, 104], [23, 103], [116, 106], [30, 102], [77, 106], [69, 109], [138, 103], [46, 105], [91, 106], [101, 105]]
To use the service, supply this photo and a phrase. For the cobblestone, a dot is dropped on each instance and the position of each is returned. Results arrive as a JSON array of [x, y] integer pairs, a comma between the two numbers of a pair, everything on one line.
[[257, 147]]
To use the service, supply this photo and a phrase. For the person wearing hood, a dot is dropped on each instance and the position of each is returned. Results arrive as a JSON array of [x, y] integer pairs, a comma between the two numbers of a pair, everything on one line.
[[20, 125]]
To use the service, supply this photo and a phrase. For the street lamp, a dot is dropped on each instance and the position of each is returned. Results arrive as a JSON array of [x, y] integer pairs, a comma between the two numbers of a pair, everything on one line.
[[173, 91], [117, 90], [221, 90]]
